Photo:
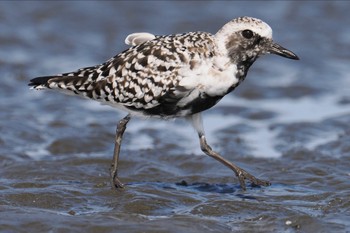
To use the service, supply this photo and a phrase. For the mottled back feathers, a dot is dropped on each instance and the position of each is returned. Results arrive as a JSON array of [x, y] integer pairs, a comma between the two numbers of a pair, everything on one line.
[[142, 77], [173, 75]]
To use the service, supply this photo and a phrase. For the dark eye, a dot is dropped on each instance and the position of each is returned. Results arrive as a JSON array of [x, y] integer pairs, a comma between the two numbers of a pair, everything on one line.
[[247, 34]]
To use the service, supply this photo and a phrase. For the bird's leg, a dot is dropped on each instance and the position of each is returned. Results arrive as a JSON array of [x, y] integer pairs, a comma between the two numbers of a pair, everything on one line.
[[196, 121], [118, 140], [240, 173]]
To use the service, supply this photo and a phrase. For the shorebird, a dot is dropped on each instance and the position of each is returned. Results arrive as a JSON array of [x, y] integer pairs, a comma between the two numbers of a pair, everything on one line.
[[173, 76]]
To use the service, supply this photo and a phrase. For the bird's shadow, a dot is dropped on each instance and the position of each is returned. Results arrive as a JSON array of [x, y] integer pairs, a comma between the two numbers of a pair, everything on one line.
[[201, 187]]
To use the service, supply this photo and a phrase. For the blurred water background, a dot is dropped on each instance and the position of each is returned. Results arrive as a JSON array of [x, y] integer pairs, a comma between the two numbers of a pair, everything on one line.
[[289, 123]]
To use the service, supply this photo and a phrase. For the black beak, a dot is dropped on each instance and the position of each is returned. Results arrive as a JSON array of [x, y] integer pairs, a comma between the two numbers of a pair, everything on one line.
[[279, 50]]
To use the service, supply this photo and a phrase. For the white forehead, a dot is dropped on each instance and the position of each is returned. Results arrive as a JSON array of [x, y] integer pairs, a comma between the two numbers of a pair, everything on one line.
[[243, 23]]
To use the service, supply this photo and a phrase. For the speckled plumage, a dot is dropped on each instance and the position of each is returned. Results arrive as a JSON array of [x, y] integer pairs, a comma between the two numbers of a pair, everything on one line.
[[146, 78], [175, 75], [166, 76]]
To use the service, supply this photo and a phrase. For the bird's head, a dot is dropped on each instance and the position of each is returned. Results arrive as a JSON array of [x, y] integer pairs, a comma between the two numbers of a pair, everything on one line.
[[244, 39]]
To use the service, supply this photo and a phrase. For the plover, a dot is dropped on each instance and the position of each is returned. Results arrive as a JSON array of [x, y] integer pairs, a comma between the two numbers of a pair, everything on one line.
[[172, 76]]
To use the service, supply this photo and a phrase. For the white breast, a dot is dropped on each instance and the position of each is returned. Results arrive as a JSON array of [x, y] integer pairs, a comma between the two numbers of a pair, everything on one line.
[[213, 77]]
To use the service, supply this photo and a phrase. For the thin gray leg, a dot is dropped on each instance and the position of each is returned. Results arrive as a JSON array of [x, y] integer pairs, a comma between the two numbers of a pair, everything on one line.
[[118, 140], [240, 173]]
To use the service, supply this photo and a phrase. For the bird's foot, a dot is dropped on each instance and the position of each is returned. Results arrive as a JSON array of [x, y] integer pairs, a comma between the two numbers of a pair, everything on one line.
[[243, 175], [116, 183]]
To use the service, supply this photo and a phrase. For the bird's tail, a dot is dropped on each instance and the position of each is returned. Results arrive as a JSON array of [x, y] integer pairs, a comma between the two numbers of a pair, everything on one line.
[[40, 82], [72, 85], [78, 82]]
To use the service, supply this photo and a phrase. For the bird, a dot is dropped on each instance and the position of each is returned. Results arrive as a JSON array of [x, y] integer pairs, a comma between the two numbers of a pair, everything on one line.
[[173, 76]]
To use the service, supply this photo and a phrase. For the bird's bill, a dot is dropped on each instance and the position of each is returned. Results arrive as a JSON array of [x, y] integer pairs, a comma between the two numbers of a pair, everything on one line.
[[281, 51]]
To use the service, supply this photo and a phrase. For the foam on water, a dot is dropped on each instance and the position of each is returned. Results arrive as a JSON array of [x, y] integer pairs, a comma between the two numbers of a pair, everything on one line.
[[261, 140]]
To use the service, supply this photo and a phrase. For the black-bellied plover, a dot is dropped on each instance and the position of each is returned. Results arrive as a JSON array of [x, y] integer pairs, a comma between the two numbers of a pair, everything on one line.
[[173, 76]]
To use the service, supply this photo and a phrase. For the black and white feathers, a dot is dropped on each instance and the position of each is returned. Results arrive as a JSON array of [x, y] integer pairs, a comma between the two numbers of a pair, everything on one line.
[[174, 75]]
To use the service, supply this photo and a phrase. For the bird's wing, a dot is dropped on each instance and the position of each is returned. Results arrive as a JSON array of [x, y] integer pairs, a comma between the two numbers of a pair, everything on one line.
[[142, 77]]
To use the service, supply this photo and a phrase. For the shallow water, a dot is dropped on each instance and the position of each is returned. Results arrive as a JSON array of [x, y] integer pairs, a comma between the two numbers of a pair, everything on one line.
[[289, 123]]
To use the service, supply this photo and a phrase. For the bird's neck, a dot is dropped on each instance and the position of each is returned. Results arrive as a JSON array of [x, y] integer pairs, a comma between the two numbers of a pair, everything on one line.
[[242, 69]]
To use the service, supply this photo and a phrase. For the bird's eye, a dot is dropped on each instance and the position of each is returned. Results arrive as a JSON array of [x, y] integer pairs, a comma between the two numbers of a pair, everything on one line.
[[247, 34]]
